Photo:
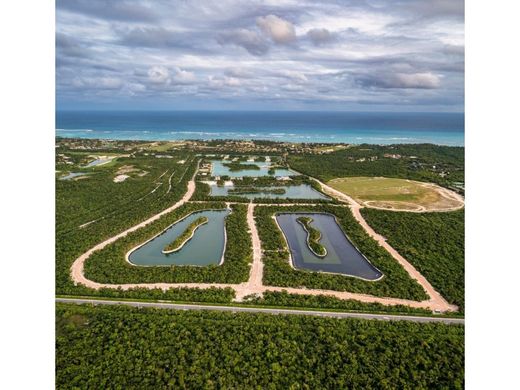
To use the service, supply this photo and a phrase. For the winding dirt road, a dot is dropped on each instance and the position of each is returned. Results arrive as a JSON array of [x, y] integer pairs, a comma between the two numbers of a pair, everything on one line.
[[254, 284]]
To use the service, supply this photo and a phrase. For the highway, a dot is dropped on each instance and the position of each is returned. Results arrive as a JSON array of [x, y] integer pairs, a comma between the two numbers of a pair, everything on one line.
[[236, 309]]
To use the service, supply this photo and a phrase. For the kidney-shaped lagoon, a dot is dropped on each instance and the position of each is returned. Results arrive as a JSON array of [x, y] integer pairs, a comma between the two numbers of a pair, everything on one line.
[[342, 256], [206, 247]]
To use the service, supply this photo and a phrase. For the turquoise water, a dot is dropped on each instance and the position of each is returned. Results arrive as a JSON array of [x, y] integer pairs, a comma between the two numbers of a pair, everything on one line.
[[301, 191], [342, 256], [205, 248], [218, 169], [288, 126]]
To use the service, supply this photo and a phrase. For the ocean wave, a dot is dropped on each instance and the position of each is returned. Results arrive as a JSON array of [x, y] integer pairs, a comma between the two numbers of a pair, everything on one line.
[[75, 130]]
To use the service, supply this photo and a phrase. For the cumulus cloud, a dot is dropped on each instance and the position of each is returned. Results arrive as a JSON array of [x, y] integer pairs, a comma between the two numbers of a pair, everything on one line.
[[183, 77], [320, 36], [253, 42], [401, 80], [159, 75], [279, 30]]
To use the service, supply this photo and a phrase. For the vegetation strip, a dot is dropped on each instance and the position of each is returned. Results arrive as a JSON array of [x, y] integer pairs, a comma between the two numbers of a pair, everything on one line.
[[187, 235], [313, 237], [249, 309]]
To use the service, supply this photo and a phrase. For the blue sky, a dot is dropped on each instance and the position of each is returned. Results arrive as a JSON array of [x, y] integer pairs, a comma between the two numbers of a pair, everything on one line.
[[260, 55]]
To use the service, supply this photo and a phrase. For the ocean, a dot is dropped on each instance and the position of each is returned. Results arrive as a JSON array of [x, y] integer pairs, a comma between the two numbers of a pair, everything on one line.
[[292, 126]]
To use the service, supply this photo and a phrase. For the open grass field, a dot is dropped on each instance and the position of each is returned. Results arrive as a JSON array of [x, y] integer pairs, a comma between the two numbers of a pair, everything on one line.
[[397, 194]]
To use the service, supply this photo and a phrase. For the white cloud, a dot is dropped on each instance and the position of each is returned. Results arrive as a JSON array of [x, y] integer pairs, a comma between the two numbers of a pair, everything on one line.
[[159, 75], [320, 36], [184, 77], [279, 30]]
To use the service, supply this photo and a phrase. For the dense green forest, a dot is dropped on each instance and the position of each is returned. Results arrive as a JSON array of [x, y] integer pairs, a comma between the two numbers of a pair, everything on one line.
[[278, 272], [122, 347], [424, 162], [432, 242], [109, 265]]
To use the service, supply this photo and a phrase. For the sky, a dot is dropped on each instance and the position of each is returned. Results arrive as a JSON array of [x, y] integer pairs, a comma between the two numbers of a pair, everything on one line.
[[372, 55]]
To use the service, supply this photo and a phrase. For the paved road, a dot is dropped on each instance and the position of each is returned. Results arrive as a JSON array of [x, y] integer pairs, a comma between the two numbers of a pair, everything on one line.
[[234, 309]]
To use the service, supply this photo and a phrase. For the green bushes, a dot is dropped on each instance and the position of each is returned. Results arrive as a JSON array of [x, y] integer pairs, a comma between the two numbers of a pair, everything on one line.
[[278, 272], [123, 347], [432, 242], [109, 266]]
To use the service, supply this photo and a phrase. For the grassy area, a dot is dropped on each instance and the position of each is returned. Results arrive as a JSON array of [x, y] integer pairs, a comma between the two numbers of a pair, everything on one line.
[[392, 193]]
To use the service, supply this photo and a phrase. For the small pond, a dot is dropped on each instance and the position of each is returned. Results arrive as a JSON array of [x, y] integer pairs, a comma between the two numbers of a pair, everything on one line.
[[301, 191], [72, 175], [98, 161], [342, 256], [205, 248], [219, 169]]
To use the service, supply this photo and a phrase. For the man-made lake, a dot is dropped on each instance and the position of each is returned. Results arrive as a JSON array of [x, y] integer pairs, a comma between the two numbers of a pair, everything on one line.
[[342, 256], [205, 248], [218, 169], [72, 175], [301, 191], [99, 161]]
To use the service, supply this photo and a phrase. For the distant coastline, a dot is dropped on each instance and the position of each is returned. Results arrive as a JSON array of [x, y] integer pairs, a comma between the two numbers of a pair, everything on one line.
[[284, 126]]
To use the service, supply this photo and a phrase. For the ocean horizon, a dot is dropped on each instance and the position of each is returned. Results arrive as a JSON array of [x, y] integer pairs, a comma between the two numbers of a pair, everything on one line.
[[283, 126]]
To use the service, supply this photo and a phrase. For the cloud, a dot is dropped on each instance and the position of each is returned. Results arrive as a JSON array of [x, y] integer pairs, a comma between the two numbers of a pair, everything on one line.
[[249, 40], [320, 36], [108, 9], [159, 75], [279, 30], [401, 80], [150, 37], [98, 83], [406, 53], [183, 77]]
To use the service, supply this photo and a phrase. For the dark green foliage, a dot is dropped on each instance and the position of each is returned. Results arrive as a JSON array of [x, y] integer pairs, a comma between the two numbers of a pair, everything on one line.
[[417, 162], [237, 166], [181, 294], [432, 242], [278, 272], [123, 347], [109, 265]]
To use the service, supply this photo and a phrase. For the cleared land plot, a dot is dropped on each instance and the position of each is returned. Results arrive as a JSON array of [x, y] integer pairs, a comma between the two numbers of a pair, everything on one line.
[[397, 194]]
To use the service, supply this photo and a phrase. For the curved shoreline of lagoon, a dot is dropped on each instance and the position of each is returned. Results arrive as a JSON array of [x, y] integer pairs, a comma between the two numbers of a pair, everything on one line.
[[201, 255], [334, 263]]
